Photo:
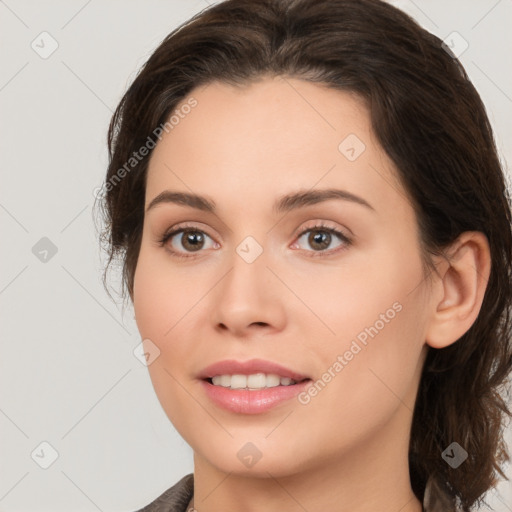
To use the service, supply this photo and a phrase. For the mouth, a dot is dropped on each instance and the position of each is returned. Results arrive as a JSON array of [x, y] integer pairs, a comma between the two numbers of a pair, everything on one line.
[[245, 400], [251, 387], [253, 381], [252, 374]]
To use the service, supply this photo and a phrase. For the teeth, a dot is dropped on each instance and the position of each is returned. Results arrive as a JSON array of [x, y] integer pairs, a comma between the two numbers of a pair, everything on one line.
[[253, 381]]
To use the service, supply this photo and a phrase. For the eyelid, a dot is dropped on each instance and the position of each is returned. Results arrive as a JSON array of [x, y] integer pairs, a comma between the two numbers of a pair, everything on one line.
[[319, 224], [186, 225]]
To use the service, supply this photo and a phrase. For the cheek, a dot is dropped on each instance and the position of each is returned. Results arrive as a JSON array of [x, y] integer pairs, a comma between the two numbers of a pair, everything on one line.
[[160, 295], [168, 304], [376, 312], [147, 301], [362, 294], [159, 304]]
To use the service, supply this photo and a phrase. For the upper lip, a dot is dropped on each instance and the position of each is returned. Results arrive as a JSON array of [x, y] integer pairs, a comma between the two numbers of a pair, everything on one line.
[[232, 367]]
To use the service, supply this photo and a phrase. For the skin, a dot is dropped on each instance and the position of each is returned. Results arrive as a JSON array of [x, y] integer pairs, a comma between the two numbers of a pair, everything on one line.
[[346, 449]]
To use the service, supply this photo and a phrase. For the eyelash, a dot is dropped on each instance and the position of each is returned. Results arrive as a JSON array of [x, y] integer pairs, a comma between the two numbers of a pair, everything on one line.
[[183, 228]]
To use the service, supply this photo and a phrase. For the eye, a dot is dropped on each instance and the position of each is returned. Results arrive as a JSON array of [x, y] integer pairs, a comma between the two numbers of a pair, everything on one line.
[[320, 237], [186, 239]]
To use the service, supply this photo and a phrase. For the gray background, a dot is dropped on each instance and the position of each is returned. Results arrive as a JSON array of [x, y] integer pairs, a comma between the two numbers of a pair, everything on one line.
[[68, 374]]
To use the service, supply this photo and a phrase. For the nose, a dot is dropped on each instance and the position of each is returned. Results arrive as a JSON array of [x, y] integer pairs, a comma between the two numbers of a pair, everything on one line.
[[249, 300]]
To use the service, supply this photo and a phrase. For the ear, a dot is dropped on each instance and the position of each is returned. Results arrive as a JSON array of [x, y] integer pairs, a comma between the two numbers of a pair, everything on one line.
[[458, 289]]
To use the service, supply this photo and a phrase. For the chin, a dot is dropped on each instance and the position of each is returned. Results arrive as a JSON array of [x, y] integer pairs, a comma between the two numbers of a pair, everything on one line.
[[257, 459]]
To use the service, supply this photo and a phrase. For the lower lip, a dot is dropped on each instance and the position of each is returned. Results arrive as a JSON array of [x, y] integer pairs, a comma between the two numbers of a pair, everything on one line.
[[247, 401]]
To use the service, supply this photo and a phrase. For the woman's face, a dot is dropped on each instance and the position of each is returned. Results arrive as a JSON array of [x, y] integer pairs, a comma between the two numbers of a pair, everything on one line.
[[263, 275]]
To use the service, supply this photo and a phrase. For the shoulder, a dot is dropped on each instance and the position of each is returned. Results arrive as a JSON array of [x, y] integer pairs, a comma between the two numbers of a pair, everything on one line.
[[174, 499]]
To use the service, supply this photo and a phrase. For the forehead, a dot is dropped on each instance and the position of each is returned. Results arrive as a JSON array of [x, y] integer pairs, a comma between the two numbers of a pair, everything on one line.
[[261, 140]]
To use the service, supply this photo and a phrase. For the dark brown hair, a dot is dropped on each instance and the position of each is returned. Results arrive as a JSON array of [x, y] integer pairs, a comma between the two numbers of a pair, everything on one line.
[[429, 119]]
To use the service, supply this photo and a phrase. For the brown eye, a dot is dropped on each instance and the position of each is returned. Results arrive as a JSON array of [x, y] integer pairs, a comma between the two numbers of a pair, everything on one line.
[[192, 240], [320, 238], [183, 241]]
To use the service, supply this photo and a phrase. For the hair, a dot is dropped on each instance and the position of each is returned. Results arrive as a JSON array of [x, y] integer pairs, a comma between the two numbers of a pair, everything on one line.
[[429, 119]]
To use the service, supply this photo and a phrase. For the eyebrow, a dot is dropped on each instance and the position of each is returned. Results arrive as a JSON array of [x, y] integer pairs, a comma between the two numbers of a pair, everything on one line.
[[284, 204]]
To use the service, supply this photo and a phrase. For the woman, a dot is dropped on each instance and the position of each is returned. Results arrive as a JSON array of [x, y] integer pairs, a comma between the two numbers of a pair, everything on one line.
[[315, 234]]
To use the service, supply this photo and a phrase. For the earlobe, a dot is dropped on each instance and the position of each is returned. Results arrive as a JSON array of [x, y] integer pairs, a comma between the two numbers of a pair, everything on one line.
[[459, 289]]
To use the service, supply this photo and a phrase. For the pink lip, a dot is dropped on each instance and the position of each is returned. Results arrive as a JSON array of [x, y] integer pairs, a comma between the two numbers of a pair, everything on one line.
[[248, 401], [245, 401], [232, 367]]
